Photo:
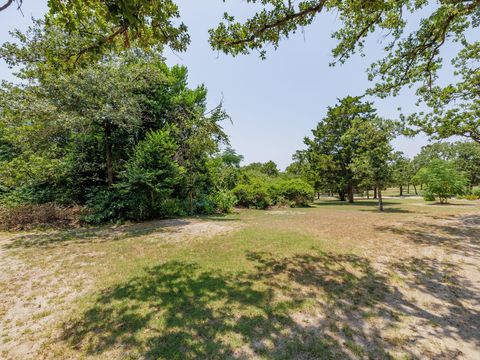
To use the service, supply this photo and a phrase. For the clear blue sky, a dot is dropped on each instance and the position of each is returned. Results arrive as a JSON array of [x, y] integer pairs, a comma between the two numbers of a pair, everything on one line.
[[273, 103]]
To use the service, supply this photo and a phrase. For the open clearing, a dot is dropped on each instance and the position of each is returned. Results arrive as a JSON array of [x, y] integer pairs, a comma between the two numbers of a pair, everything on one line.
[[331, 281]]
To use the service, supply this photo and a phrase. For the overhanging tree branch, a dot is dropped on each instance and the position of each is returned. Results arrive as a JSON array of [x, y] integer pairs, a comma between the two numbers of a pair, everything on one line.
[[277, 24], [7, 4]]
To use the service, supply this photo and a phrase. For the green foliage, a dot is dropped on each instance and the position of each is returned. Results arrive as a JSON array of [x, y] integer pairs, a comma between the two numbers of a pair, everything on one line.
[[81, 32], [231, 158], [402, 170], [260, 191], [255, 194], [350, 147], [413, 53], [222, 201], [472, 195], [104, 205], [171, 207], [223, 169], [455, 107], [442, 180], [123, 136], [150, 176], [427, 196], [296, 191], [269, 168], [464, 154], [85, 31]]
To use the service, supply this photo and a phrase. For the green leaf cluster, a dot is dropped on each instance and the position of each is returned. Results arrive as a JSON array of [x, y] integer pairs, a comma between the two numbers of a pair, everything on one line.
[[441, 180]]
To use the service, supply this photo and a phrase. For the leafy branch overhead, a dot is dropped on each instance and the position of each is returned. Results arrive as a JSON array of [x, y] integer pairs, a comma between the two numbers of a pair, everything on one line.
[[107, 25], [411, 57], [456, 106]]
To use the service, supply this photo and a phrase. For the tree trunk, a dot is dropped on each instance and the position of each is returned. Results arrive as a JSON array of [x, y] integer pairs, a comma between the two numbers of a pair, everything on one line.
[[108, 152], [350, 193], [375, 192], [368, 194], [341, 195], [380, 200], [408, 188], [415, 188], [401, 190]]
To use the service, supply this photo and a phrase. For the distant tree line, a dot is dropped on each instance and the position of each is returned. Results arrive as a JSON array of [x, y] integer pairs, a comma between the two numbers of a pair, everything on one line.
[[350, 152]]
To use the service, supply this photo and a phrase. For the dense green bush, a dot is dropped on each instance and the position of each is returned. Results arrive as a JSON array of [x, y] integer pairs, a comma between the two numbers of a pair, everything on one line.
[[104, 205], [261, 192], [172, 208], [256, 194], [223, 201], [147, 188], [427, 196], [441, 180], [297, 191], [151, 176], [124, 137], [144, 187]]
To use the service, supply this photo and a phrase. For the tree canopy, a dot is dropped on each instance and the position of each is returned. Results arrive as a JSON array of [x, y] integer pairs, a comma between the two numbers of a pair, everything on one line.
[[441, 180], [124, 136], [106, 25], [413, 56], [337, 141]]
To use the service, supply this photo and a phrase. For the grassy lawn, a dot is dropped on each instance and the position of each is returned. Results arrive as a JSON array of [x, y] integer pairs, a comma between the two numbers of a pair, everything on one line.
[[332, 281]]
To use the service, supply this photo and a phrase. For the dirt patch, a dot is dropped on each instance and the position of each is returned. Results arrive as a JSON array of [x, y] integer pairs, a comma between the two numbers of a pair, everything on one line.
[[195, 230], [285, 212], [431, 263], [173, 230], [34, 297]]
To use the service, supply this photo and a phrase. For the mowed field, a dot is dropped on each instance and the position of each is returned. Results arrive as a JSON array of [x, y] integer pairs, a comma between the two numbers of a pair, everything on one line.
[[332, 281]]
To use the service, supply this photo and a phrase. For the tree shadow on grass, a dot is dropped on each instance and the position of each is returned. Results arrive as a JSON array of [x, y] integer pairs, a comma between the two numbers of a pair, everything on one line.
[[178, 310], [387, 209], [440, 283], [371, 205], [94, 234], [304, 306], [460, 234], [449, 204], [359, 202]]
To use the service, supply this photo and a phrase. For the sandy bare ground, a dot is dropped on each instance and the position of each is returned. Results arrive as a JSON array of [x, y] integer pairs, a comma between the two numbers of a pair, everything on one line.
[[439, 276], [33, 298], [426, 266], [431, 266]]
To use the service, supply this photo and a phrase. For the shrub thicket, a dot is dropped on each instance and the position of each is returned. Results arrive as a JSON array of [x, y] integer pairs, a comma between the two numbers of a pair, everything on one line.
[[441, 180], [125, 138], [260, 192]]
